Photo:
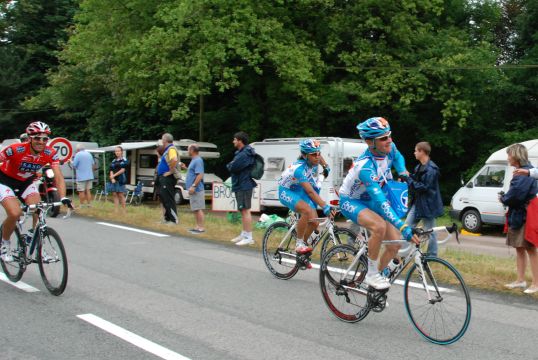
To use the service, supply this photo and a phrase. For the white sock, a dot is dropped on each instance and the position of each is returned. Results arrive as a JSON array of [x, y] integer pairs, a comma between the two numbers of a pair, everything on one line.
[[299, 242], [372, 266], [248, 235]]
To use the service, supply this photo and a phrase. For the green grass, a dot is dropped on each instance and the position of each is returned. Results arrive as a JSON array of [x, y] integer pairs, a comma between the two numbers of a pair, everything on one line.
[[479, 271]]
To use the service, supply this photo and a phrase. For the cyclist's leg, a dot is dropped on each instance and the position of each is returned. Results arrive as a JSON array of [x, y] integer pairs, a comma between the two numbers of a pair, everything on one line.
[[391, 251], [13, 213], [31, 196], [294, 201], [304, 229]]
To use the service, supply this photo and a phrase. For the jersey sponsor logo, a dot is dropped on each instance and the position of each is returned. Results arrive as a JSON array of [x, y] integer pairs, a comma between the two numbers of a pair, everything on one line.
[[374, 177], [29, 167], [9, 151], [47, 151], [20, 149], [385, 207], [285, 197], [346, 206]]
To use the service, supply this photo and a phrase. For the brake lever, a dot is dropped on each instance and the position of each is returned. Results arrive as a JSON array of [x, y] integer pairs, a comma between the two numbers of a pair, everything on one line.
[[68, 213], [454, 229]]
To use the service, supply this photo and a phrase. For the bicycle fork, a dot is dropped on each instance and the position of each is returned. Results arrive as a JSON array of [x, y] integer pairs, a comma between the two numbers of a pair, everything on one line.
[[422, 274]]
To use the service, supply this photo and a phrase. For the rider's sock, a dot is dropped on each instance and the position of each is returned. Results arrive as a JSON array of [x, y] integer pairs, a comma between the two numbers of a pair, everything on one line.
[[372, 266], [299, 242]]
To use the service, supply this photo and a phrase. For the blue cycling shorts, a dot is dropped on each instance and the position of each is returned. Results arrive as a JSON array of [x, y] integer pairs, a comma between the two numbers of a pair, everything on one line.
[[290, 198], [351, 208]]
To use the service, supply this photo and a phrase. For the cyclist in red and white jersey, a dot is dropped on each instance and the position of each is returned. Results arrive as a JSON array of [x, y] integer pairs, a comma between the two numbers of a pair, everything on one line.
[[19, 165]]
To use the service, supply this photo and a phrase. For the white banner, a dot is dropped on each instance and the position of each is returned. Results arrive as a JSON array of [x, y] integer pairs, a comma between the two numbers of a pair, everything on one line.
[[223, 199]]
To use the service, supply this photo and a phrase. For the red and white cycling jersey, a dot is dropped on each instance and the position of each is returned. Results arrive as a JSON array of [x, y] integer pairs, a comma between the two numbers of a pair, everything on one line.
[[19, 163]]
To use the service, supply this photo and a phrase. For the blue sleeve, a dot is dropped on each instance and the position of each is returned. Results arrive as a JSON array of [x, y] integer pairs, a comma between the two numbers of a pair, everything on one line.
[[76, 161], [398, 160], [199, 167], [241, 161], [299, 175], [518, 192], [124, 163], [369, 178]]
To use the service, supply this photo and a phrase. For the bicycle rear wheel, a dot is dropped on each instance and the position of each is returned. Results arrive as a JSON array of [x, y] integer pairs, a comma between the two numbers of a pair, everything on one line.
[[343, 236], [15, 269], [52, 262], [445, 318], [279, 255], [344, 295]]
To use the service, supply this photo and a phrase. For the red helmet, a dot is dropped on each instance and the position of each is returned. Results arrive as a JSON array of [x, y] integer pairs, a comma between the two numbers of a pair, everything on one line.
[[38, 127]]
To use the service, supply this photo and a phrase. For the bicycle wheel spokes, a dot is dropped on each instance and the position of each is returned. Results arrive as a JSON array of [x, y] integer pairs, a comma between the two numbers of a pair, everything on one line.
[[15, 269], [444, 316], [52, 262], [342, 290], [279, 255]]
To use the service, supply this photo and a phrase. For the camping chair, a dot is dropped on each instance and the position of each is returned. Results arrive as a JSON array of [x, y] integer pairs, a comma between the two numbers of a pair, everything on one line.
[[136, 195], [102, 193]]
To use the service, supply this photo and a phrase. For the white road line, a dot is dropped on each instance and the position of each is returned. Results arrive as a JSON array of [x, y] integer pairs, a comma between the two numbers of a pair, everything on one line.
[[133, 229], [399, 282], [18, 284], [132, 338]]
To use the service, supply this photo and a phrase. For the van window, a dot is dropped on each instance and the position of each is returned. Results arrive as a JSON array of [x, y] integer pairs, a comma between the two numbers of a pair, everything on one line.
[[491, 176], [148, 161]]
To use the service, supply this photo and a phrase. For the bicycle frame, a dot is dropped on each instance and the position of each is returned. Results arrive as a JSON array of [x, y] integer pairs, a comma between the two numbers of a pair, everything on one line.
[[327, 225], [415, 255]]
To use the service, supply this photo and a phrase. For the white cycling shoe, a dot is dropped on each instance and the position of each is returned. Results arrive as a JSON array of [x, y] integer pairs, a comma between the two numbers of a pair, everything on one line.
[[5, 254], [377, 281]]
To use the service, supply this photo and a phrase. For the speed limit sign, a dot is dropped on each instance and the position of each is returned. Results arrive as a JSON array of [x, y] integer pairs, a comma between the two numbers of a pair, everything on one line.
[[63, 148]]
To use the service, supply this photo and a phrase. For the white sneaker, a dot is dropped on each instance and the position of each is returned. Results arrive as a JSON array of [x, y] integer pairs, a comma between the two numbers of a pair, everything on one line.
[[5, 254], [515, 285], [377, 281], [237, 238], [245, 241]]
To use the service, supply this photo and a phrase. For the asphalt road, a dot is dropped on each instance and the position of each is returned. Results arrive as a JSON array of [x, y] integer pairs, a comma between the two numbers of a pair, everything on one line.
[[189, 298]]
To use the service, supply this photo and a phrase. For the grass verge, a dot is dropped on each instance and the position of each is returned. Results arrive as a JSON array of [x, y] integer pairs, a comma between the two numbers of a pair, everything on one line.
[[483, 272]]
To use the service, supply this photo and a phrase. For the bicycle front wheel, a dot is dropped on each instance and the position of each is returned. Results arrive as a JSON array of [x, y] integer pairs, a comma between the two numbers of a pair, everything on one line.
[[279, 250], [52, 262], [15, 269], [437, 301], [340, 280], [342, 236]]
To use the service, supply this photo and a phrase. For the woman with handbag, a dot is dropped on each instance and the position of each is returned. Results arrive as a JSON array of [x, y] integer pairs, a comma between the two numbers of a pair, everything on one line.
[[522, 190]]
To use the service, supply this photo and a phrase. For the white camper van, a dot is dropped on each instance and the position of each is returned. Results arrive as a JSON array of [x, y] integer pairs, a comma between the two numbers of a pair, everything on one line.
[[143, 160], [282, 152], [477, 202]]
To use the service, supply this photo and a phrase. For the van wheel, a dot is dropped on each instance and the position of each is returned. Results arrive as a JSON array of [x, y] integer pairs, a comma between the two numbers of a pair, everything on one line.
[[471, 221]]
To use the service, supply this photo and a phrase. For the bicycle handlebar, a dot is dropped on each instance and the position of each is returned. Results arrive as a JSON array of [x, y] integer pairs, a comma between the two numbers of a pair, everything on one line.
[[44, 206]]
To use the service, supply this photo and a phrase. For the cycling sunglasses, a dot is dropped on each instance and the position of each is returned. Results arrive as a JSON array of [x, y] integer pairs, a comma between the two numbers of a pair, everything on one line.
[[40, 138], [384, 138], [315, 154]]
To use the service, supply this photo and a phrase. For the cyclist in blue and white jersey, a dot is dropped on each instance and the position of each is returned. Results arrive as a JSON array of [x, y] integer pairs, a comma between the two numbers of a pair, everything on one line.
[[299, 191], [363, 202]]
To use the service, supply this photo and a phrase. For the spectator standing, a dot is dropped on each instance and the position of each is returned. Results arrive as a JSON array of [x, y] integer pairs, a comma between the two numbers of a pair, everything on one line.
[[166, 179], [522, 189], [425, 197], [84, 165], [195, 186], [118, 178], [243, 185]]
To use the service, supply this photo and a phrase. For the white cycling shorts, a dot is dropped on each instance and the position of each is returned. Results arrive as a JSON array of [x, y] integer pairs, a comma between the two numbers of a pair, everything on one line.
[[7, 192]]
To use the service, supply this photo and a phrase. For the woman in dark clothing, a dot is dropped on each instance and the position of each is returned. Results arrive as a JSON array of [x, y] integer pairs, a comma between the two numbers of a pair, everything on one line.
[[118, 178], [522, 190]]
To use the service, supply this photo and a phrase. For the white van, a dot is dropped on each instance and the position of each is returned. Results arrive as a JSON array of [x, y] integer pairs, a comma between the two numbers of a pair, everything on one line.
[[279, 153], [143, 160], [477, 202]]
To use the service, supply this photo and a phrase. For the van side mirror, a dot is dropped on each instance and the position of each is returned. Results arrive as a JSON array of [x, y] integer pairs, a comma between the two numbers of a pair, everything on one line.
[[469, 185]]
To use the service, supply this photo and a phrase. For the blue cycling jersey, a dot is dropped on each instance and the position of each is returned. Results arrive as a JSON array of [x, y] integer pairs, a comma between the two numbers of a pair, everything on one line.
[[365, 179], [297, 173]]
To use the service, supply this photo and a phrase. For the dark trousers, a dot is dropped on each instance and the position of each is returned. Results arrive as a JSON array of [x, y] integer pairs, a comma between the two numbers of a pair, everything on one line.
[[167, 191]]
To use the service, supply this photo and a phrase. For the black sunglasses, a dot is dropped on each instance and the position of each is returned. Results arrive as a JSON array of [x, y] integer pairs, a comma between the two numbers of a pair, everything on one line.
[[384, 138]]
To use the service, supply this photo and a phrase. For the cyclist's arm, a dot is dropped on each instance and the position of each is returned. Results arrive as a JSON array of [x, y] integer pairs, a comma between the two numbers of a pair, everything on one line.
[[309, 189], [382, 206], [398, 161]]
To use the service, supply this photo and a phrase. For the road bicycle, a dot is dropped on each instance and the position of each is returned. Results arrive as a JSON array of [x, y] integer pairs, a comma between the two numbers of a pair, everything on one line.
[[436, 298], [44, 247], [280, 239]]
